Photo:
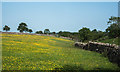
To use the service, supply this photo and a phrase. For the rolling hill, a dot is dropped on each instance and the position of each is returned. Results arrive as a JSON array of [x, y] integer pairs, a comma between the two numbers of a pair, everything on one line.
[[34, 52]]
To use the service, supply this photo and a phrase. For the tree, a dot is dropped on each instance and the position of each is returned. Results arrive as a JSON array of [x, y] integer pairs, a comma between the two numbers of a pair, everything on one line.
[[30, 30], [60, 32], [39, 32], [65, 34], [84, 34], [100, 34], [53, 33], [46, 31], [6, 28], [113, 30], [22, 27], [75, 36], [26, 30], [94, 34], [94, 31], [113, 20]]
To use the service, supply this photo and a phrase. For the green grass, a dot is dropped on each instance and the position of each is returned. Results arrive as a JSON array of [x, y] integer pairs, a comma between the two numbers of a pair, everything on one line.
[[111, 41], [0, 52], [32, 52]]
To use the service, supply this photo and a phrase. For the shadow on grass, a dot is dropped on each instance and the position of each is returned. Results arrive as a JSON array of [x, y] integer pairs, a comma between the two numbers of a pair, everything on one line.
[[69, 68]]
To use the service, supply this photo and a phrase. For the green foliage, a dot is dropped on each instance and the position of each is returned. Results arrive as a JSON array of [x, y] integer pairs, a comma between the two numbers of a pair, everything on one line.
[[84, 34], [53, 33], [94, 31], [39, 32], [65, 34], [22, 27], [30, 30], [46, 31], [6, 28], [108, 40], [59, 32], [94, 34], [114, 20], [73, 35], [100, 34], [113, 30]]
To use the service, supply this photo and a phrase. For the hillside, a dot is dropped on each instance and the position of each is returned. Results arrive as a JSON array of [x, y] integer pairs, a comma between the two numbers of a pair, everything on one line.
[[109, 40], [33, 52]]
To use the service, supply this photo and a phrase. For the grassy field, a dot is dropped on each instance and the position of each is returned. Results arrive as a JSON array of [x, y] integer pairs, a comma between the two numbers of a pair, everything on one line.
[[111, 41], [33, 52], [0, 52]]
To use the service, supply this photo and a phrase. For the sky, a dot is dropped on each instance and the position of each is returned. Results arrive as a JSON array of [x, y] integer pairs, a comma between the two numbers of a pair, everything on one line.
[[60, 0], [58, 16]]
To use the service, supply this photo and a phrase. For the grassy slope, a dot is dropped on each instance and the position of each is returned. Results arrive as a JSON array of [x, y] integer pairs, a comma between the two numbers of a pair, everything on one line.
[[32, 52], [111, 41], [0, 52]]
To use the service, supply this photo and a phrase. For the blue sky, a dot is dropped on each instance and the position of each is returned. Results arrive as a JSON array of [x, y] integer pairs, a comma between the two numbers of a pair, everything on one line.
[[58, 16]]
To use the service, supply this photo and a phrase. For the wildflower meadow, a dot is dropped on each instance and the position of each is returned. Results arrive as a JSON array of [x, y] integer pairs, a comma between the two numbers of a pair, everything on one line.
[[34, 52]]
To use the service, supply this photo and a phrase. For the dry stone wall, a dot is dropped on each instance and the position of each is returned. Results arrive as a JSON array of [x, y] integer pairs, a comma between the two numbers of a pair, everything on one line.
[[112, 51]]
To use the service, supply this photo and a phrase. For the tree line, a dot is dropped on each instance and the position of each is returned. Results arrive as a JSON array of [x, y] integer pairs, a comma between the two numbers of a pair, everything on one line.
[[84, 34], [23, 28]]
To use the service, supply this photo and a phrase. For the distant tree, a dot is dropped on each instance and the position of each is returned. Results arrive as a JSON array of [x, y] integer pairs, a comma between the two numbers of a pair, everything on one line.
[[39, 32], [75, 36], [100, 34], [95, 31], [30, 30], [65, 34], [53, 33], [94, 34], [72, 35], [113, 30], [84, 34], [22, 27], [26, 30], [60, 32], [6, 28], [113, 20], [46, 31]]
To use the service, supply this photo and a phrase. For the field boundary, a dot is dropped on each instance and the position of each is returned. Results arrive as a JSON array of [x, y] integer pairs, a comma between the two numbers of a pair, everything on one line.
[[35, 34], [112, 51]]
